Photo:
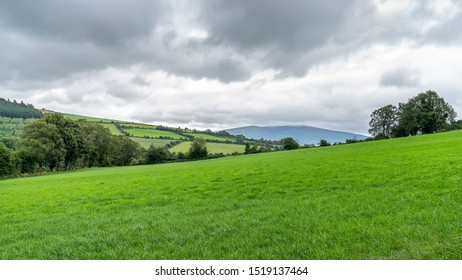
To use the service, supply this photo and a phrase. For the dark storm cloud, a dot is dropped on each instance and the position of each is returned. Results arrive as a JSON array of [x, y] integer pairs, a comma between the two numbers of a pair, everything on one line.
[[400, 77], [52, 40], [102, 22], [286, 35]]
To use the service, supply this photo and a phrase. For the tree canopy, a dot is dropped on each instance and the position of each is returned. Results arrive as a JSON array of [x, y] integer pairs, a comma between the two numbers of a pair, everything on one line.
[[423, 114], [290, 143], [198, 149], [383, 120]]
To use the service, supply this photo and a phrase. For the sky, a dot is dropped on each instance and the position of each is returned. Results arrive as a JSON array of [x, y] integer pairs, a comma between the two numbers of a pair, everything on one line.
[[221, 64]]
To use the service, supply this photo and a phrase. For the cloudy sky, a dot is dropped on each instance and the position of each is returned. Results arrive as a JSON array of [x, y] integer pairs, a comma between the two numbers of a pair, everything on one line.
[[220, 64]]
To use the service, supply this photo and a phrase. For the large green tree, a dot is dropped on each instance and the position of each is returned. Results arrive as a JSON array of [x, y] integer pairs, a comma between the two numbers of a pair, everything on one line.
[[72, 135], [425, 113], [290, 143], [44, 140], [198, 149], [123, 151], [156, 155], [383, 120]]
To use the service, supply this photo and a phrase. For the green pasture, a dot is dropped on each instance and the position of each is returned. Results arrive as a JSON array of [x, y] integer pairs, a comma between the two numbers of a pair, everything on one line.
[[146, 142], [112, 128], [209, 137], [90, 119], [212, 148], [392, 199], [137, 125], [139, 132]]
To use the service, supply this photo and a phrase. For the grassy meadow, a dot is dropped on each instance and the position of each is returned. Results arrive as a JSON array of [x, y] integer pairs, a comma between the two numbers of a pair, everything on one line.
[[210, 137], [154, 133], [212, 148], [393, 199]]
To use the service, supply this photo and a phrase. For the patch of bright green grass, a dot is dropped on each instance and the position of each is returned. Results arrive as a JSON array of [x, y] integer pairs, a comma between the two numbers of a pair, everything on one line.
[[393, 199], [210, 137], [146, 142], [112, 128], [138, 125], [90, 119], [139, 132], [213, 148]]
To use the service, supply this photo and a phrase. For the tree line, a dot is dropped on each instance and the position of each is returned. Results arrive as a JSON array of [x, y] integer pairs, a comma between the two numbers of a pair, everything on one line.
[[58, 143], [13, 109], [423, 114]]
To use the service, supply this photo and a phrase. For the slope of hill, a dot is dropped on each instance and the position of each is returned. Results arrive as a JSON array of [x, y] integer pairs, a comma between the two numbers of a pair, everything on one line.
[[14, 116], [161, 136], [391, 199], [303, 134]]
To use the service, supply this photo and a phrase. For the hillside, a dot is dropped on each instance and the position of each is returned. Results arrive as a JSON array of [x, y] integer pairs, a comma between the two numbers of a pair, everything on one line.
[[14, 115], [303, 134], [391, 199], [161, 136]]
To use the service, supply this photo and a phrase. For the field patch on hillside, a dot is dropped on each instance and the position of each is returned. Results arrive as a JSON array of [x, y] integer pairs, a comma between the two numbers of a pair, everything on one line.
[[212, 148]]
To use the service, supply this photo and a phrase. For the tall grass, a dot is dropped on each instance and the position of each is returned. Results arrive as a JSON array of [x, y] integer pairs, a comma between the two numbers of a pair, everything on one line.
[[394, 199]]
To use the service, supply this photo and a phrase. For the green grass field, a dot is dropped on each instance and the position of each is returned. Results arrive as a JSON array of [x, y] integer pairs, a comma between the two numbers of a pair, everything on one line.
[[213, 148], [393, 199], [146, 142], [112, 128], [138, 125], [90, 119], [140, 132], [210, 137]]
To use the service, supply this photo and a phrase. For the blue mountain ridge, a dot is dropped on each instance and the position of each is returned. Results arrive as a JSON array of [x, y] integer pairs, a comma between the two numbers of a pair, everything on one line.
[[303, 134]]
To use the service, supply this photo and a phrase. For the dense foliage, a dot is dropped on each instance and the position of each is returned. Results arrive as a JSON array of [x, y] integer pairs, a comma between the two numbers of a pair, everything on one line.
[[57, 143], [12, 109], [290, 143], [198, 149], [423, 114]]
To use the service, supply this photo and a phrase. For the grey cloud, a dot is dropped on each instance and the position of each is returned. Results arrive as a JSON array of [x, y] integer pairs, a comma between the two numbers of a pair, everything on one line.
[[102, 22], [400, 77], [52, 40], [286, 35]]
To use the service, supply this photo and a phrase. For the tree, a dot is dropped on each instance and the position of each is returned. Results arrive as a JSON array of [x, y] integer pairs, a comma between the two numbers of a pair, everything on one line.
[[6, 161], [290, 143], [123, 150], [426, 113], [324, 143], [45, 142], [383, 120], [72, 136], [155, 155], [97, 146], [198, 149]]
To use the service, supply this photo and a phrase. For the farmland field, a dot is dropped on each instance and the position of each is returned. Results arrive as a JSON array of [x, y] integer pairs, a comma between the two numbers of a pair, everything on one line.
[[140, 132], [112, 128], [210, 137], [393, 199], [90, 119], [213, 148], [146, 142]]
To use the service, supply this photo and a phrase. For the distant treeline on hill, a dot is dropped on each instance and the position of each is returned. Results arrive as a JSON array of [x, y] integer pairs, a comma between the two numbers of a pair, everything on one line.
[[13, 109]]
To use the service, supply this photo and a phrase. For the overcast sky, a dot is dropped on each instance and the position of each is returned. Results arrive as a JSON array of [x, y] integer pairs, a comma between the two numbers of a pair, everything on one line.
[[226, 63]]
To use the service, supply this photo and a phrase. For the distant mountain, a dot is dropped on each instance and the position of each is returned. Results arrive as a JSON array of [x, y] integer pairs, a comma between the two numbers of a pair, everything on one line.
[[303, 134]]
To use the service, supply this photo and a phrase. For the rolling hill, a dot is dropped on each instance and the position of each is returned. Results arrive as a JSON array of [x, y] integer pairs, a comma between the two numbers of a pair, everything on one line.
[[390, 199], [303, 134]]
